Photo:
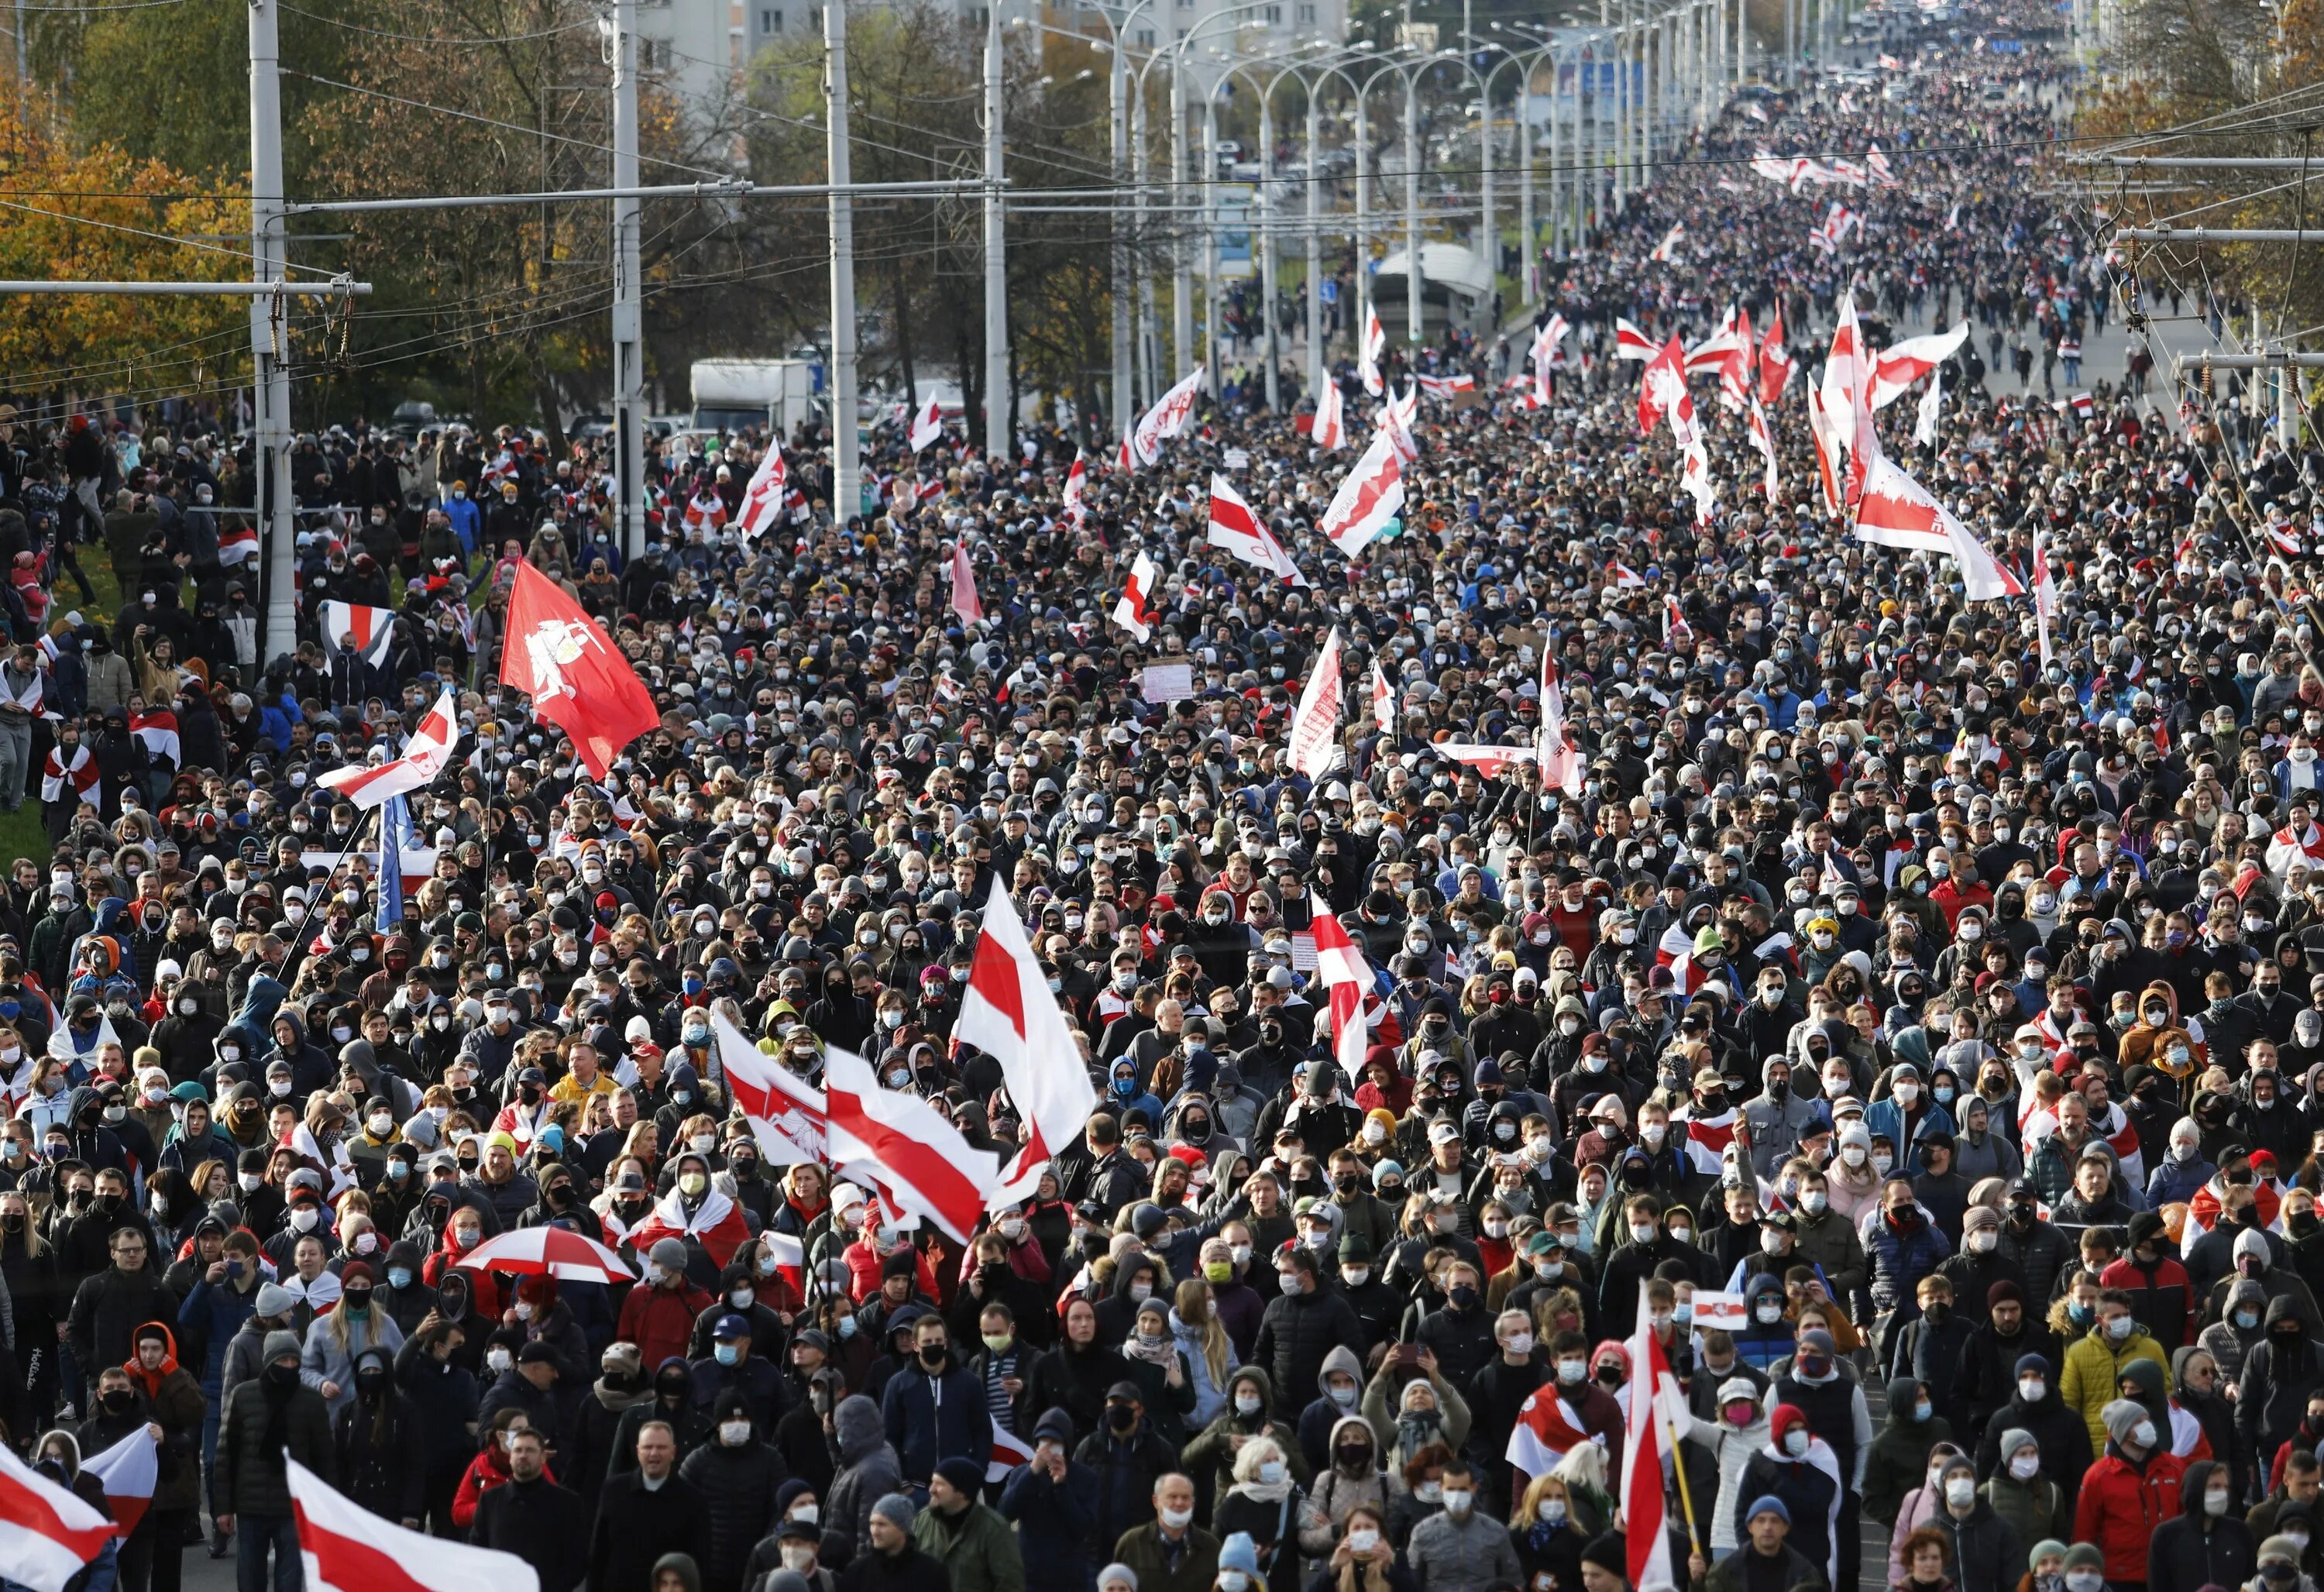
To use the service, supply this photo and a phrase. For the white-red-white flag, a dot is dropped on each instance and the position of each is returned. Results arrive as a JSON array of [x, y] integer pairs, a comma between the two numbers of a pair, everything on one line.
[[1644, 1440], [346, 1548], [369, 632], [1877, 164], [1763, 441], [1632, 343], [1135, 611], [2045, 592], [785, 1111], [1166, 418], [1007, 1012], [764, 498], [128, 1471], [1236, 527], [1076, 483], [928, 424], [1667, 250], [1396, 420], [1446, 386], [46, 1532], [425, 756], [1925, 415], [1896, 368], [1315, 722], [1369, 496], [1008, 1451], [1330, 428], [1487, 761], [963, 586], [1897, 512], [1345, 978], [1775, 361], [923, 1162], [1383, 701], [1827, 451], [1842, 369], [1368, 352]]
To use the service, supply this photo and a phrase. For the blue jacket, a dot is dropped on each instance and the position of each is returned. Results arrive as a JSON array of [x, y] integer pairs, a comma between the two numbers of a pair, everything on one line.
[[1899, 1262], [211, 1317], [2177, 1181], [1887, 1117], [1054, 1519], [936, 1418]]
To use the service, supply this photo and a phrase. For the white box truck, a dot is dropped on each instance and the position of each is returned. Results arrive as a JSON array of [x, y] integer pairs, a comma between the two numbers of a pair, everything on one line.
[[729, 394]]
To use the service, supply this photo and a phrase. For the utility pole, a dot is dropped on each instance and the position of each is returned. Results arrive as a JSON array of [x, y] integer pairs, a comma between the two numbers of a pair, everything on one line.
[[1412, 307], [629, 304], [1315, 362], [1124, 403], [1000, 425], [1267, 274], [846, 490], [270, 335], [1182, 264]]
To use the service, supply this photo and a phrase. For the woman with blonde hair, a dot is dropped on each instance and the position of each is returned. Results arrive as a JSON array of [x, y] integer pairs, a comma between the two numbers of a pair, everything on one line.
[[1364, 1560], [1548, 1534], [1267, 1503], [1209, 1356], [327, 1363]]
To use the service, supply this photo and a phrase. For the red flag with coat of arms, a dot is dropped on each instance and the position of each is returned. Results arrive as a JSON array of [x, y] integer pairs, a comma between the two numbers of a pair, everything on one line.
[[578, 680]]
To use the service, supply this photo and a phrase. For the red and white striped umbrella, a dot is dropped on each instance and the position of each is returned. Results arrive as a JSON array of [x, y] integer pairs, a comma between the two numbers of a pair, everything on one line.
[[549, 1251]]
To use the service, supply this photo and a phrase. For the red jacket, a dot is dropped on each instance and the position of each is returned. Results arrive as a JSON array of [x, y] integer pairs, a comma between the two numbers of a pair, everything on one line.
[[661, 1321], [2122, 1503]]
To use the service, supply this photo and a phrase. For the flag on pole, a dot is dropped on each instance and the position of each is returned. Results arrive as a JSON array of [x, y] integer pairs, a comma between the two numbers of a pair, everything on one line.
[[1383, 701], [578, 680], [368, 633], [394, 825], [787, 1114], [1330, 430], [928, 424], [346, 1548], [1076, 482], [1896, 368], [1341, 967], [46, 1532], [1763, 441], [1631, 342], [1369, 496], [923, 1162], [1667, 250], [1644, 1443], [1775, 361], [1897, 512], [764, 498], [128, 1471], [964, 586], [1009, 1012], [1236, 527], [1375, 343], [425, 756], [1924, 417], [1135, 611], [2045, 591], [1315, 722], [1166, 418]]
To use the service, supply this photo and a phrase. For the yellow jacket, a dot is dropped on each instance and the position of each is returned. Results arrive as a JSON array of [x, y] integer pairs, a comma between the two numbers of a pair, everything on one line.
[[2092, 1376]]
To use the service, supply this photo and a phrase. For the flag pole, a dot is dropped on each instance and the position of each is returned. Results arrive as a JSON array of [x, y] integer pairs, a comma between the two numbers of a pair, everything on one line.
[[1685, 1493]]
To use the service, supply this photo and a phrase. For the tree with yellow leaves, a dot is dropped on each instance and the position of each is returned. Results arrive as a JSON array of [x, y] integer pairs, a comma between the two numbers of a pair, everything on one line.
[[93, 213]]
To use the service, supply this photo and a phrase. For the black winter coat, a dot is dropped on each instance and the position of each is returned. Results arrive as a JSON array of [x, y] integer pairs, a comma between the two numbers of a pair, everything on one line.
[[1986, 1556], [541, 1523], [2193, 1550], [738, 1498], [636, 1527], [383, 1467], [1297, 1332]]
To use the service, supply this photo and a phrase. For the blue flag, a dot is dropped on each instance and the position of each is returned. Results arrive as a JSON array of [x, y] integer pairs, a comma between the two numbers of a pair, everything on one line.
[[394, 826]]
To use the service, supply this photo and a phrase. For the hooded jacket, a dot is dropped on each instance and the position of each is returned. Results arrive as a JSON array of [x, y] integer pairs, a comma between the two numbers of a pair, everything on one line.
[[1897, 1460], [2123, 1502], [2093, 1371], [1209, 1458], [869, 1471], [2278, 1376], [2198, 1549], [173, 1401]]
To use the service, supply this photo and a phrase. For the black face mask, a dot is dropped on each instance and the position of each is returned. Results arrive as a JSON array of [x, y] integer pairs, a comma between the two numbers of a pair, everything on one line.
[[932, 1354], [1121, 1418], [120, 1400]]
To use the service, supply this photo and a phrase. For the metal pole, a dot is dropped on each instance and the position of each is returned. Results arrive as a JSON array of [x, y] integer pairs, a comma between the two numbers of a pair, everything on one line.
[[1412, 307], [270, 333], [336, 288], [1315, 251], [1742, 44], [847, 492], [649, 191], [1489, 241], [24, 72], [1529, 272], [1211, 241], [1363, 284], [2216, 235], [999, 424], [629, 311], [1182, 270], [1142, 268], [1266, 275], [1118, 83]]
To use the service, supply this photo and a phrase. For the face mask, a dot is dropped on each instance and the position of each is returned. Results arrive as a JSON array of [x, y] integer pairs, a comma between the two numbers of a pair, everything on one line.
[[2084, 1580], [2118, 1328], [1177, 1520], [1813, 1201], [2143, 1435], [499, 1359], [1246, 1403], [1458, 1501], [1795, 1443]]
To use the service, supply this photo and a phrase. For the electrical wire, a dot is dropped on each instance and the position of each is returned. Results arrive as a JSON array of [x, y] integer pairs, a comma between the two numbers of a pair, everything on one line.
[[589, 22], [163, 237]]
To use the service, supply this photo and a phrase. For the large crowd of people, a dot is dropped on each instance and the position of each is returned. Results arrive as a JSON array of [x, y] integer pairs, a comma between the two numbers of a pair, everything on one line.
[[1907, 1022]]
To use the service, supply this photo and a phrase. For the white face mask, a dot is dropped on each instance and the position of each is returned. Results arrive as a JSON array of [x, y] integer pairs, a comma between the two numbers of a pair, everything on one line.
[[2026, 1467]]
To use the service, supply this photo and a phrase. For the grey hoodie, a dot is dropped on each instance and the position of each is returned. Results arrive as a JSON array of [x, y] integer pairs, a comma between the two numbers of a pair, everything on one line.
[[868, 1472]]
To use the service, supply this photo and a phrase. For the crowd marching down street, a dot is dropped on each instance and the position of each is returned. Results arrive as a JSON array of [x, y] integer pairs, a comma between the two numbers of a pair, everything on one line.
[[1687, 953]]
